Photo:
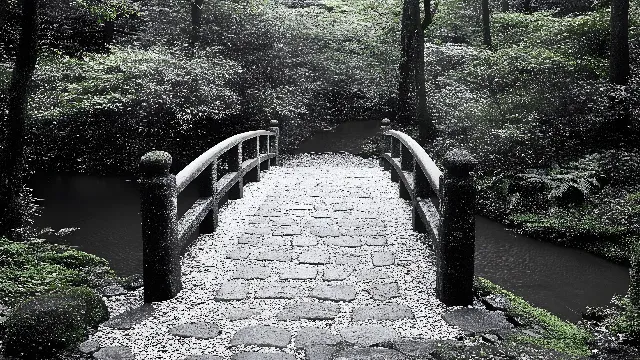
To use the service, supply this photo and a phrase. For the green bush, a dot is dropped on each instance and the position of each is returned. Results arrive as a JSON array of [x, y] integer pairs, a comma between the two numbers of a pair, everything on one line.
[[578, 37], [95, 309], [626, 321], [43, 326], [28, 269]]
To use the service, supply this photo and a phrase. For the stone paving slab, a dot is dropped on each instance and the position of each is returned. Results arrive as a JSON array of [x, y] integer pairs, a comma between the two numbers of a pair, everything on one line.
[[334, 292], [311, 336], [198, 330], [310, 311], [367, 335], [317, 258], [382, 312], [261, 335]]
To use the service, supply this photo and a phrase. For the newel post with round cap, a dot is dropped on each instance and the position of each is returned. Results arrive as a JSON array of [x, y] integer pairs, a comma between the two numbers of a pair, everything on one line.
[[382, 144], [158, 209], [456, 244], [274, 141]]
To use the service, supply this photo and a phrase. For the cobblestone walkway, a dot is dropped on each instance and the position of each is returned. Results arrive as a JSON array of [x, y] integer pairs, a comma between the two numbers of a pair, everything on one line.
[[319, 252]]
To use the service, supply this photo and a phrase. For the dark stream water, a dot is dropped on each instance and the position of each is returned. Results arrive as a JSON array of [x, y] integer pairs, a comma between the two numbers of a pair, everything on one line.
[[561, 280]]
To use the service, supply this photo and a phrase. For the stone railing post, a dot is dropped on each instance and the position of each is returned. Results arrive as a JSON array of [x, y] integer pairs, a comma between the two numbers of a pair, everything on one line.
[[235, 161], [455, 248], [274, 142], [207, 188], [395, 153], [406, 164], [158, 209], [264, 149], [254, 153], [422, 187], [382, 142]]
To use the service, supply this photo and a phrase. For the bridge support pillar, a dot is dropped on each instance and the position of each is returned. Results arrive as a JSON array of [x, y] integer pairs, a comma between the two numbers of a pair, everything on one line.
[[422, 190], [254, 174], [265, 165], [158, 208], [382, 142], [235, 161], [274, 142], [406, 164], [395, 153], [456, 246], [207, 188]]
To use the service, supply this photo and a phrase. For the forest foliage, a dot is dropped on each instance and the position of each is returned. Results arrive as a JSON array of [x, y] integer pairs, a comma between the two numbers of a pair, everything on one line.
[[534, 108]]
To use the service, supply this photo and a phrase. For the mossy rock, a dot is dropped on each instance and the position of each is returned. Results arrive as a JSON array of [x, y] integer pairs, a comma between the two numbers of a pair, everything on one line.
[[42, 327]]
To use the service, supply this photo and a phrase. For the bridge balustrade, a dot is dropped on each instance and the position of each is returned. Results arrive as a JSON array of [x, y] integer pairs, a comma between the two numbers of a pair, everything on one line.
[[443, 206], [164, 235]]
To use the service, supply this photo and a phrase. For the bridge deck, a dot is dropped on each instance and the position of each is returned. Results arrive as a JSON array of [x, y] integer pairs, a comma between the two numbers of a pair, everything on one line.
[[320, 251]]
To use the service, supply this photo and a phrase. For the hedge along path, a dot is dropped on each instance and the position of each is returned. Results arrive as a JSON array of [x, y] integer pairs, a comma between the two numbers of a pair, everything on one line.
[[320, 251]]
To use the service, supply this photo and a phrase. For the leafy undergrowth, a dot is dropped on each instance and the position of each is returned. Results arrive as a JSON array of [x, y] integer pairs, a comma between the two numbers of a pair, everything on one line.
[[626, 320], [558, 335], [34, 268], [308, 68]]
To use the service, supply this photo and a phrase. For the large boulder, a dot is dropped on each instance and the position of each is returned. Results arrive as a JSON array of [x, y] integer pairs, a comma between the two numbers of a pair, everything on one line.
[[47, 324]]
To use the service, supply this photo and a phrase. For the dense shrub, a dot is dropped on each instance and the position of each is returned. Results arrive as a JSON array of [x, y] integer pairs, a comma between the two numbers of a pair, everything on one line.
[[45, 325], [34, 268], [308, 68], [95, 309], [68, 26]]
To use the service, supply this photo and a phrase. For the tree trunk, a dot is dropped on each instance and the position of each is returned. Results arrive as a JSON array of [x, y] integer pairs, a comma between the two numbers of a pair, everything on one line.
[[486, 24], [619, 67], [196, 19], [504, 5], [634, 276], [526, 6], [426, 128], [405, 108], [619, 43], [108, 32], [428, 16], [12, 169]]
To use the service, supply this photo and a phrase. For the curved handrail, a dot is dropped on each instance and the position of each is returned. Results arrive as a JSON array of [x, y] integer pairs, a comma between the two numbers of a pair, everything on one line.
[[165, 236], [448, 217], [191, 171], [428, 166]]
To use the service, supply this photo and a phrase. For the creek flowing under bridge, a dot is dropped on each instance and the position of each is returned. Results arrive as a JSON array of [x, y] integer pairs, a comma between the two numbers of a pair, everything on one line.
[[315, 251]]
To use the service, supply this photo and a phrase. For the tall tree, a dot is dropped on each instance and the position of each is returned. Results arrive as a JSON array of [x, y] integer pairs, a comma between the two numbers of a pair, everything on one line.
[[12, 165], [619, 43], [504, 5], [196, 19], [486, 24], [426, 127], [619, 67], [412, 107], [405, 108], [428, 16]]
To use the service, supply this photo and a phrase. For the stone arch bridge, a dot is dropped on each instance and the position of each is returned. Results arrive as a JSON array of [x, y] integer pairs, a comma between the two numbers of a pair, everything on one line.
[[298, 257]]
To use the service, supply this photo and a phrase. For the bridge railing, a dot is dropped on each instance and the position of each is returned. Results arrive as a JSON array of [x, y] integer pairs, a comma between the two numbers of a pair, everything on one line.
[[164, 235], [443, 206]]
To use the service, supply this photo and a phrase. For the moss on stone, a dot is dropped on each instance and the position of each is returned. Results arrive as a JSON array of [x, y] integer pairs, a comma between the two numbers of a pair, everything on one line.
[[558, 334]]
